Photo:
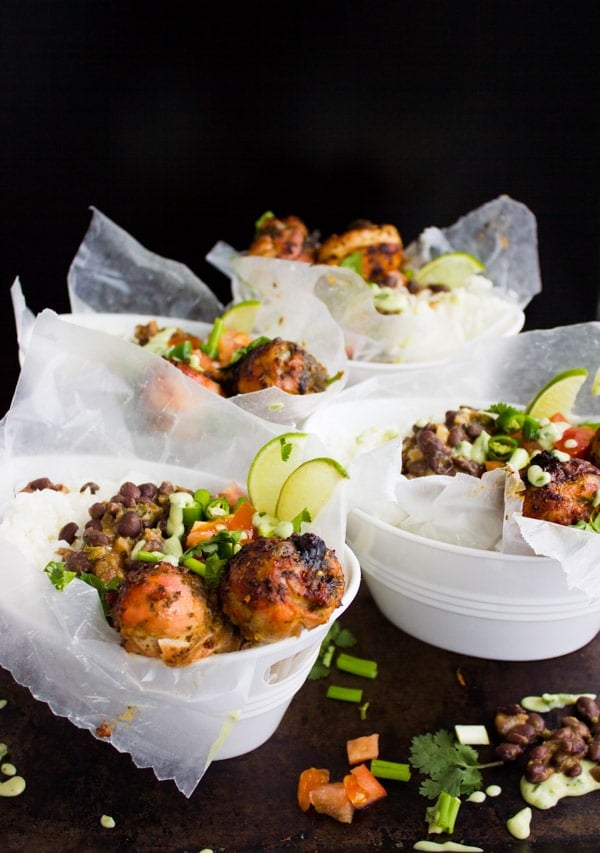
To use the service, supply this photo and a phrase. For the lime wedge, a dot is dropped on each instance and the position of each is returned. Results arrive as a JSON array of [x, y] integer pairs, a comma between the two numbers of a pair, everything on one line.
[[271, 467], [241, 316], [595, 389], [309, 487], [451, 269], [558, 395]]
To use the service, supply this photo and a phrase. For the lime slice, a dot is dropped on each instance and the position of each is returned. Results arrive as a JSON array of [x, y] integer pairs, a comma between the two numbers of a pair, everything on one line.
[[558, 395], [451, 269], [309, 487], [241, 316], [271, 467], [595, 389]]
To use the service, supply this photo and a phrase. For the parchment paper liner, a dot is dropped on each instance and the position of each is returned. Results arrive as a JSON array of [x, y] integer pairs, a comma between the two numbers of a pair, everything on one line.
[[79, 400]]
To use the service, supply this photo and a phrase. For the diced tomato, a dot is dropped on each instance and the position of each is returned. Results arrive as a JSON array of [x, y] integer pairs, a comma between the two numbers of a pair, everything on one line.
[[229, 342], [331, 799], [363, 748], [491, 464], [180, 337], [241, 519], [308, 780], [362, 788], [558, 418], [576, 440]]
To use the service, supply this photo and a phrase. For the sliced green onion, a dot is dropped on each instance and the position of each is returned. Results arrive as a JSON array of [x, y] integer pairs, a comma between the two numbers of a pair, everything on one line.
[[181, 351], [212, 344], [390, 770], [328, 655], [362, 709], [191, 514], [149, 556], [501, 447], [519, 459], [441, 817], [344, 694], [194, 565], [356, 666], [217, 507]]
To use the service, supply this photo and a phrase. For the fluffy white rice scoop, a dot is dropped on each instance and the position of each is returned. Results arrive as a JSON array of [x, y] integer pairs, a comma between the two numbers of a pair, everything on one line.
[[33, 520]]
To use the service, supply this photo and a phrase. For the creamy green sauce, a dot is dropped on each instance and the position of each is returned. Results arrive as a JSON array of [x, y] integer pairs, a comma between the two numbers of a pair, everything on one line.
[[547, 794], [519, 825], [477, 797], [451, 846], [548, 701], [12, 787], [15, 785]]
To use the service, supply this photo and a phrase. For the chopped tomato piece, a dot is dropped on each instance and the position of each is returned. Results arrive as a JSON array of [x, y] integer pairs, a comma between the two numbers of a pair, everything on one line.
[[491, 464], [229, 342], [558, 418], [362, 788], [331, 799], [361, 749], [576, 440], [308, 780], [241, 519]]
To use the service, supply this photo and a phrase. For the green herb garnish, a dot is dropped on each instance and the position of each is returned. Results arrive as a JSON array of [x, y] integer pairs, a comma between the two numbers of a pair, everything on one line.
[[336, 637], [451, 766]]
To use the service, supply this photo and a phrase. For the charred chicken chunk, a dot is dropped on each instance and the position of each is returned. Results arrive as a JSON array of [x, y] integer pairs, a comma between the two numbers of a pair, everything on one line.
[[288, 239], [274, 587], [164, 611], [379, 246], [569, 496], [276, 363]]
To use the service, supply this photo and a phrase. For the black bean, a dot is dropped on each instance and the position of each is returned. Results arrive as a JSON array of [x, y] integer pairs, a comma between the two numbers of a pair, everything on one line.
[[130, 491], [97, 510], [69, 532], [130, 525], [148, 490], [473, 429], [456, 435], [92, 536]]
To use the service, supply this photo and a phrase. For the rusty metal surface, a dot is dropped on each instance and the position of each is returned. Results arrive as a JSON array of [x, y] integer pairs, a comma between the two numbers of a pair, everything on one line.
[[249, 803]]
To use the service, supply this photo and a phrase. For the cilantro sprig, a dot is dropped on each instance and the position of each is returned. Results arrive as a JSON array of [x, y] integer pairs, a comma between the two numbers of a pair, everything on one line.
[[450, 766]]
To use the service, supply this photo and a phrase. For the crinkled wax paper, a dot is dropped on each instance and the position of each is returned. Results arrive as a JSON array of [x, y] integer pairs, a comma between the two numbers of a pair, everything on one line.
[[501, 233], [113, 273], [305, 324], [90, 405], [463, 510]]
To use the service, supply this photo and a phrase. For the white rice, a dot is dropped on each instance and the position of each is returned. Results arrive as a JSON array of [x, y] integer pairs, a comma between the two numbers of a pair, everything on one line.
[[33, 520]]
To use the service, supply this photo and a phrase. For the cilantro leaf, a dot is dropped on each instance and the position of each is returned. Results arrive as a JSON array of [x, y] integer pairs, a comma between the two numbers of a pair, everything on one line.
[[450, 766]]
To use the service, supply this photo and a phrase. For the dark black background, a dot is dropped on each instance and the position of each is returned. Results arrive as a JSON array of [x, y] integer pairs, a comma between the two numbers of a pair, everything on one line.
[[184, 127]]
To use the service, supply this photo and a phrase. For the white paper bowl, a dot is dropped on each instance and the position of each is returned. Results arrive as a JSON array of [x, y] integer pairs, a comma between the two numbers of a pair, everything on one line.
[[59, 645], [479, 603]]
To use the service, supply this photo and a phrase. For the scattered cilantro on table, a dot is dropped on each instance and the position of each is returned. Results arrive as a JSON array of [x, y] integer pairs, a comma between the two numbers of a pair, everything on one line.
[[450, 766]]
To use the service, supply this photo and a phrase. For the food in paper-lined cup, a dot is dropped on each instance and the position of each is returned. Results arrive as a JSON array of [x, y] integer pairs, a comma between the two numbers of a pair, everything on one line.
[[399, 307]]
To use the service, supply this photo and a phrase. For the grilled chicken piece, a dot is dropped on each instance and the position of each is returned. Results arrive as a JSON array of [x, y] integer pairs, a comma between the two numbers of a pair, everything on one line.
[[571, 494], [274, 587], [380, 247], [288, 239], [276, 363], [163, 611]]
